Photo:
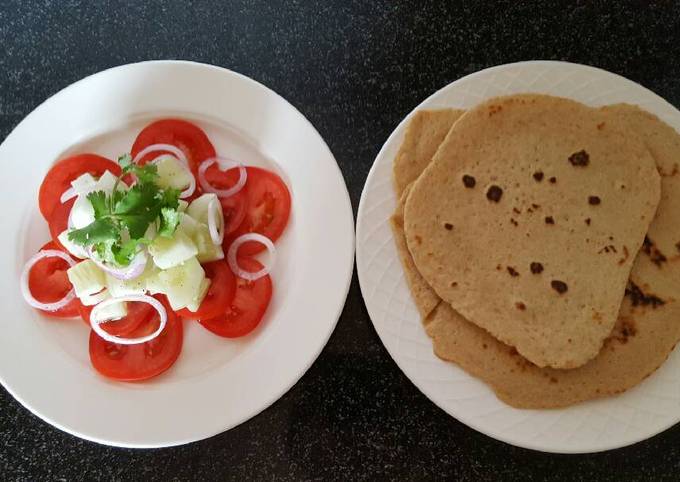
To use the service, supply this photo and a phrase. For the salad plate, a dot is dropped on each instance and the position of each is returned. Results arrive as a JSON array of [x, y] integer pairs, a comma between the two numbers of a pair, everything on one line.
[[216, 383]]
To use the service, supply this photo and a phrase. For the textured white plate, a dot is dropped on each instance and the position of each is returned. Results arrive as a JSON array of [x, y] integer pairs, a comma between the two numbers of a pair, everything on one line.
[[216, 383], [649, 408]]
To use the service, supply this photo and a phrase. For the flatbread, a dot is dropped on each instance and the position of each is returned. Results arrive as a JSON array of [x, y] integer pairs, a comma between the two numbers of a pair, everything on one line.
[[541, 265], [425, 298], [642, 338], [425, 132]]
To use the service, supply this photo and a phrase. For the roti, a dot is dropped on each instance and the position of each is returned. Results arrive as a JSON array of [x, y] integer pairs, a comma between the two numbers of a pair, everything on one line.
[[647, 329], [424, 133], [528, 219]]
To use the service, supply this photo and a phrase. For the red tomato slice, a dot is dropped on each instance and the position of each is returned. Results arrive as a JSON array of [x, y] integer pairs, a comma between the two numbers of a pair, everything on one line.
[[248, 307], [59, 178], [143, 361], [185, 135], [48, 283], [58, 221], [267, 212], [138, 313], [220, 294], [233, 207]]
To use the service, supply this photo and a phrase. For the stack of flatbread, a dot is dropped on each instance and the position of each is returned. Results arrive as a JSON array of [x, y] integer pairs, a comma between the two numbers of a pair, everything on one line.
[[541, 242]]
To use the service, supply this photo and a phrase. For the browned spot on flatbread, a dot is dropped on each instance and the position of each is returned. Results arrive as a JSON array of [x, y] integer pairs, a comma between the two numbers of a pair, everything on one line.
[[640, 298], [579, 159]]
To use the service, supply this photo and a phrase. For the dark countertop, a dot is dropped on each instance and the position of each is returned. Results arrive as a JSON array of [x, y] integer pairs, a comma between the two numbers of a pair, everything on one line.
[[355, 69]]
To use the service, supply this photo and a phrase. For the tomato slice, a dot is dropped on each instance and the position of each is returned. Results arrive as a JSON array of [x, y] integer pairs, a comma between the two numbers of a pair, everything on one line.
[[59, 177], [248, 307], [142, 361], [48, 283], [220, 294], [185, 135], [233, 207], [58, 221], [267, 211], [138, 313]]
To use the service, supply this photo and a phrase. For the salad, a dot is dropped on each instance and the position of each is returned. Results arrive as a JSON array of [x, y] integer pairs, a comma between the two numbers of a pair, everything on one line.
[[167, 233]]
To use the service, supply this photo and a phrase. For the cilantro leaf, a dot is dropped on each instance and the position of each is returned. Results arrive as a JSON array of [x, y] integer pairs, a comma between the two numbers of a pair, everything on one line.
[[125, 160], [147, 173], [170, 197], [99, 203], [123, 217], [124, 253], [95, 232], [169, 222]]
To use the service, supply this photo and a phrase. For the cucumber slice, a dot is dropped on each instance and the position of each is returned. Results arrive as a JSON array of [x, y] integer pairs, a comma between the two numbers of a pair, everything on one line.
[[207, 250], [75, 249], [114, 311], [86, 277], [188, 225], [198, 209], [137, 286], [170, 252], [171, 173], [203, 290], [181, 284]]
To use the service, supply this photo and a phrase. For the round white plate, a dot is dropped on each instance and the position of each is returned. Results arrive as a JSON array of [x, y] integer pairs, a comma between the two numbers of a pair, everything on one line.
[[216, 383], [651, 407]]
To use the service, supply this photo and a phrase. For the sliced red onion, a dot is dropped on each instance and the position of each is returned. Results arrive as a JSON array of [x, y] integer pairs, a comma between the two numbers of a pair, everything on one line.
[[26, 291], [70, 193], [174, 150], [224, 165], [215, 221], [131, 271], [233, 252], [157, 305], [192, 180]]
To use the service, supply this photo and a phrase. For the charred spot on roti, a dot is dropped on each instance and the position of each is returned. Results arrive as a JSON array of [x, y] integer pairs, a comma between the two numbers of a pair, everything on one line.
[[520, 306], [514, 223], [538, 176], [469, 181], [553, 180], [448, 226], [549, 220], [588, 221], [640, 298], [579, 159], [650, 249], [593, 200], [559, 286], [513, 272], [494, 193], [536, 267]]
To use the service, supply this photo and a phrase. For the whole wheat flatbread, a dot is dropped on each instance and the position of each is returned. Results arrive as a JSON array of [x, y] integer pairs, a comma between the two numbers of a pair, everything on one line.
[[642, 338], [478, 249], [424, 133]]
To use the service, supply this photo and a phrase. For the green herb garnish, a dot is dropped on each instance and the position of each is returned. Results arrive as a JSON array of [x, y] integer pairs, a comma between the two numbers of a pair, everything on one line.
[[122, 218]]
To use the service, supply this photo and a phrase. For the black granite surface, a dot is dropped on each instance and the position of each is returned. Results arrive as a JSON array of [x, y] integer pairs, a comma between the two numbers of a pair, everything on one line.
[[354, 68]]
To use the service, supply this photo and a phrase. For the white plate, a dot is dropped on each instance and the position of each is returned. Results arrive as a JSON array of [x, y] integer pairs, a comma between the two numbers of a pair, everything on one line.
[[216, 383], [651, 407]]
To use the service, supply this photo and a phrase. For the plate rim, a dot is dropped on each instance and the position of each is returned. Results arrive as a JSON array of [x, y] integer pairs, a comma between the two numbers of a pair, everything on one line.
[[319, 346], [363, 282]]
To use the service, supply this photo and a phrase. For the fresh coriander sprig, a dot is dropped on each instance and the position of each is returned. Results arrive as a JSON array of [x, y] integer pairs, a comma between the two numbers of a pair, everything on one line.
[[122, 218]]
